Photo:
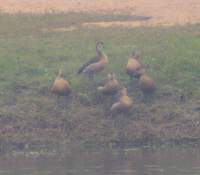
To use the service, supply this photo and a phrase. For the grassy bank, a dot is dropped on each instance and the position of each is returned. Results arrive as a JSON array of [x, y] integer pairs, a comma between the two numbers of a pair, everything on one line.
[[31, 52]]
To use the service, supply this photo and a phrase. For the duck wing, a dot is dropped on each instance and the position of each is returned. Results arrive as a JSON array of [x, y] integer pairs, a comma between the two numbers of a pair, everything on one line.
[[91, 61]]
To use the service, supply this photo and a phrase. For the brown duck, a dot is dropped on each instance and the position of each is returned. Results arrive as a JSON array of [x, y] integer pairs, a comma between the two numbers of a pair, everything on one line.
[[111, 85], [96, 64], [146, 83], [60, 86], [133, 65], [124, 102]]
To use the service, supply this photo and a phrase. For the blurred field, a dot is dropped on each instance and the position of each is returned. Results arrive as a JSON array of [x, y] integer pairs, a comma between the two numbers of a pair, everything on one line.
[[33, 48]]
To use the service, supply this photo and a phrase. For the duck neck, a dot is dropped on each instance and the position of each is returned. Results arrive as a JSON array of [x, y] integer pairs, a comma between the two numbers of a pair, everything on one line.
[[103, 57], [123, 92], [99, 52], [60, 74]]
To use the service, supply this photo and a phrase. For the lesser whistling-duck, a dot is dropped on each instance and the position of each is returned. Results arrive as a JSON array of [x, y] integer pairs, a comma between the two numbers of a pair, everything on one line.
[[124, 102], [133, 65], [111, 85], [96, 64], [146, 83], [60, 86]]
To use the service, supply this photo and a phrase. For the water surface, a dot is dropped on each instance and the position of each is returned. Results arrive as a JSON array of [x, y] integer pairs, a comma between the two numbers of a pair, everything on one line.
[[146, 161]]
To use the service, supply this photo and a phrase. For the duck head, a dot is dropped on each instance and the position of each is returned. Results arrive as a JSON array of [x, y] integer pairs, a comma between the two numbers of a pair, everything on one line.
[[113, 77], [60, 73], [123, 91], [99, 46], [109, 76], [135, 54]]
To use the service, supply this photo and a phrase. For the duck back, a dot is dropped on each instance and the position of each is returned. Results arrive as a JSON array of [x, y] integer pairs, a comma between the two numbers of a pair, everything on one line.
[[147, 84], [60, 87], [133, 66]]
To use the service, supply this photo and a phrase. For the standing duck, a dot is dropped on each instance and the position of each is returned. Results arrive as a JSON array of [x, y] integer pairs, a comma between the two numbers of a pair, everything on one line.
[[60, 86], [96, 64], [133, 65], [124, 102], [111, 85], [146, 83]]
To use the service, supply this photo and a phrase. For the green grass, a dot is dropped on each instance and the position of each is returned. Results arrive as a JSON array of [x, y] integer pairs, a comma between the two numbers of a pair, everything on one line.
[[30, 59]]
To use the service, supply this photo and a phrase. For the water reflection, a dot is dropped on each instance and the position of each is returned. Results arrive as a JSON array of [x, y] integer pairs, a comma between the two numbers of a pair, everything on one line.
[[148, 161]]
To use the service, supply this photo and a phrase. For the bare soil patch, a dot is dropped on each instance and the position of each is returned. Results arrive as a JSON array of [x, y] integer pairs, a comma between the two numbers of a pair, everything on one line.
[[163, 12]]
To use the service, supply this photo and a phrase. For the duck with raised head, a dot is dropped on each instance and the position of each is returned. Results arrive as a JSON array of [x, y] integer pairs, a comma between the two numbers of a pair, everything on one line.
[[96, 64], [60, 86], [146, 83], [133, 65], [124, 103], [111, 85]]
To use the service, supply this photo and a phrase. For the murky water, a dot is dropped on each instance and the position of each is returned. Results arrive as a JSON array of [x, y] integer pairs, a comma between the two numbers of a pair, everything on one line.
[[164, 161]]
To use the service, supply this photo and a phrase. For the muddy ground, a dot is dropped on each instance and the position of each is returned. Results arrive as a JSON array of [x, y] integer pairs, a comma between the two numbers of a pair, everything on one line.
[[163, 12]]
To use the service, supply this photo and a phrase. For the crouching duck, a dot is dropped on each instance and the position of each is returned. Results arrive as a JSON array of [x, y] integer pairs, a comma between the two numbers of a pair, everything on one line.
[[60, 86], [111, 85], [133, 65], [96, 64], [146, 83], [124, 103]]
